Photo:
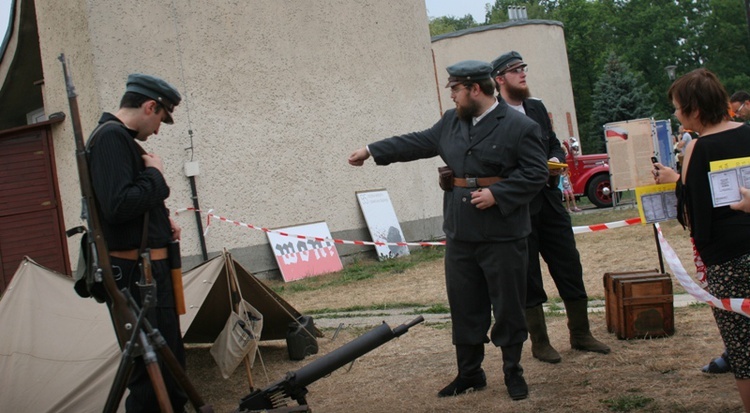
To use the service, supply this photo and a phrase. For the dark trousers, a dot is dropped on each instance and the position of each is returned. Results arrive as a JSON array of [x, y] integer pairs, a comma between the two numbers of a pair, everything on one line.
[[552, 237], [163, 317], [482, 280]]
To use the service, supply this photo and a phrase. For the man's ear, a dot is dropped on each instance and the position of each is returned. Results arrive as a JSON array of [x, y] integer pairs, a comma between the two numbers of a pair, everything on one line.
[[150, 106]]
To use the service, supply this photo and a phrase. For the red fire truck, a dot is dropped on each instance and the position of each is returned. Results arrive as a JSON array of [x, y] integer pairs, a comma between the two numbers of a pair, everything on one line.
[[589, 175]]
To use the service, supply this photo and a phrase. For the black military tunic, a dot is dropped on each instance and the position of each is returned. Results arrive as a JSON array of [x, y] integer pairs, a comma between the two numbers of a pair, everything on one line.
[[552, 233], [486, 255], [125, 189]]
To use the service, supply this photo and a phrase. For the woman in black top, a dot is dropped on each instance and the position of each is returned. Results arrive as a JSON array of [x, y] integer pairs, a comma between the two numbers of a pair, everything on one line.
[[721, 234]]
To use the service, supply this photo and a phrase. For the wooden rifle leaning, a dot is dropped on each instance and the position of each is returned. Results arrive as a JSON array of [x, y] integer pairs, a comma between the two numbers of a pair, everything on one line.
[[123, 308]]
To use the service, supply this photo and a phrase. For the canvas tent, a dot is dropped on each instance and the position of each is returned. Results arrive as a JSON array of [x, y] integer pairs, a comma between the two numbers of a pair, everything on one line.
[[58, 352]]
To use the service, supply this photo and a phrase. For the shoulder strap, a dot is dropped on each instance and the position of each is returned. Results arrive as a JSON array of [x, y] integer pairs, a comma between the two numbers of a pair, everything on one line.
[[95, 134]]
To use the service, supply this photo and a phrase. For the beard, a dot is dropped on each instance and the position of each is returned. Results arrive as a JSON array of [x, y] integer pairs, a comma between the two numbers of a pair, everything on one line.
[[468, 111], [517, 93]]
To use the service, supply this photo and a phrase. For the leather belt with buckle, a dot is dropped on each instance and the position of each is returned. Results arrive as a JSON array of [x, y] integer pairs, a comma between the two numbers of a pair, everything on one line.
[[132, 255], [476, 182]]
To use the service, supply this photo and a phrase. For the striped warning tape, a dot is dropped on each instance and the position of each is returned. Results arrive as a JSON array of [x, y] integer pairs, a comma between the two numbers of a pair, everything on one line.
[[211, 216], [610, 225], [738, 305]]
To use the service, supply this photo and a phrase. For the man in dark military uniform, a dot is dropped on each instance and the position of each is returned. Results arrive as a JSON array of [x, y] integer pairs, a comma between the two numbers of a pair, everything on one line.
[[552, 232], [498, 164], [130, 190]]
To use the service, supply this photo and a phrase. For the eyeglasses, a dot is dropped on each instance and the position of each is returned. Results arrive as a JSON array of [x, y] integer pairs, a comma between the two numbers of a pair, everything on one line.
[[457, 88], [518, 70], [739, 109]]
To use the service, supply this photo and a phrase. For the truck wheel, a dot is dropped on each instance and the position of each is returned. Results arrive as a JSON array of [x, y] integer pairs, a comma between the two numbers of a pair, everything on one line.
[[599, 191]]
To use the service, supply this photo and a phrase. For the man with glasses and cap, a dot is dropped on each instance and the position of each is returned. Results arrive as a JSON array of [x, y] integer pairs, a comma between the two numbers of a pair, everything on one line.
[[552, 233], [130, 190], [497, 165]]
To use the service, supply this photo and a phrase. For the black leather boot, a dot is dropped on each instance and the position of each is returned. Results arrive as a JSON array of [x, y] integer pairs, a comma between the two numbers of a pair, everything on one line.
[[470, 374], [578, 324], [541, 348], [514, 381]]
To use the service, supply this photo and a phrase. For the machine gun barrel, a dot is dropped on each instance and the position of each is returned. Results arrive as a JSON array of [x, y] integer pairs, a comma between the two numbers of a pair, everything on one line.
[[294, 384]]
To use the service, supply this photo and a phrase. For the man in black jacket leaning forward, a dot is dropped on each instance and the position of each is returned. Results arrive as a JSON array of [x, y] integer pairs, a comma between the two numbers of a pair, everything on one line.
[[130, 190], [498, 163], [552, 233]]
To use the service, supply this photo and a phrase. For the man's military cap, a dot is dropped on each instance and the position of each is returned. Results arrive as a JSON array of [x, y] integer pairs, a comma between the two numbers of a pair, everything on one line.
[[468, 70], [507, 61], [157, 89]]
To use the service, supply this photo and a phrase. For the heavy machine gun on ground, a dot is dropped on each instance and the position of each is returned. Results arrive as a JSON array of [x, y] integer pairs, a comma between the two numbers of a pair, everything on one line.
[[293, 387]]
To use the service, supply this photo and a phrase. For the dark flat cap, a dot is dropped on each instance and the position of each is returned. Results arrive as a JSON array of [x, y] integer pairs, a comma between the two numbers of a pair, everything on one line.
[[507, 61], [468, 70], [157, 89]]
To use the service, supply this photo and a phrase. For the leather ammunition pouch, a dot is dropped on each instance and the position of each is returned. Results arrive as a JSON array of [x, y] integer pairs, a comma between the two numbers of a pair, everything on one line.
[[445, 178]]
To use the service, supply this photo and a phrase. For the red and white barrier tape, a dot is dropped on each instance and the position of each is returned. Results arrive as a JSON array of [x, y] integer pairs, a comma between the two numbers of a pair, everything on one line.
[[738, 305], [210, 215], [609, 225]]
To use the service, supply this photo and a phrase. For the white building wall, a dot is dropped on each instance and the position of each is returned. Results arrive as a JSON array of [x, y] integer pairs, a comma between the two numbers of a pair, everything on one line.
[[541, 43], [277, 94]]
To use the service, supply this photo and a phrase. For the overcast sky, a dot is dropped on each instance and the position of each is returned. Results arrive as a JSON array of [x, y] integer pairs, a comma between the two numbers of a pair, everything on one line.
[[456, 8], [435, 8], [4, 13]]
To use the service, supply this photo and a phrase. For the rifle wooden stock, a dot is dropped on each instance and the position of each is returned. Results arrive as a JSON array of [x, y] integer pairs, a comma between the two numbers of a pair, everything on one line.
[[122, 317]]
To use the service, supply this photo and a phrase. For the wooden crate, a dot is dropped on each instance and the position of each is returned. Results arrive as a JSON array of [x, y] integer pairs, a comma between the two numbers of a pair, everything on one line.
[[640, 304], [611, 308]]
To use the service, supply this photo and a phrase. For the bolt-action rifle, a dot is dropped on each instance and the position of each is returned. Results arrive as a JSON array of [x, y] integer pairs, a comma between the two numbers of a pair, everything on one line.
[[294, 385], [125, 315]]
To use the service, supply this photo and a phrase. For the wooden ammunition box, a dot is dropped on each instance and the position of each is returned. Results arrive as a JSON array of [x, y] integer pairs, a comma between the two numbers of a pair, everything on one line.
[[639, 304], [611, 309]]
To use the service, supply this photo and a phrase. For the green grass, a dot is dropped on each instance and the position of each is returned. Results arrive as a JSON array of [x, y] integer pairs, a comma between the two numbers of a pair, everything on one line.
[[627, 403], [364, 270]]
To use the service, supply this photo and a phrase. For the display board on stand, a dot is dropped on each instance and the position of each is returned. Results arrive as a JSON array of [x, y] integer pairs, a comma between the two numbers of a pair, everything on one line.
[[382, 223]]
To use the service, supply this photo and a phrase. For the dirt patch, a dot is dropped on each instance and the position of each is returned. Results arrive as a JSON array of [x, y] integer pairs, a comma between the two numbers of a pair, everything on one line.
[[404, 375]]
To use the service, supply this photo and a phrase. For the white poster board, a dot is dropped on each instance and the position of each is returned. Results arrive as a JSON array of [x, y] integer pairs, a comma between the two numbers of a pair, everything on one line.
[[382, 223], [299, 258], [630, 146]]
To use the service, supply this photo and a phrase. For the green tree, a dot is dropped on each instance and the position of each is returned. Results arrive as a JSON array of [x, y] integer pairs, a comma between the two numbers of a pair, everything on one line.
[[449, 24], [725, 43], [619, 94], [646, 34]]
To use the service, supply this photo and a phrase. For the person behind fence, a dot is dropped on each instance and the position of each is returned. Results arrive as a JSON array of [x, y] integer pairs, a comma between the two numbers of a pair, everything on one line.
[[496, 166], [721, 234], [130, 190], [551, 228], [567, 191]]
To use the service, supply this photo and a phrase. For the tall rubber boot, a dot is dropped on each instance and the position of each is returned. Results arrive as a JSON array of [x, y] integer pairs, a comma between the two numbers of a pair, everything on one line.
[[541, 348], [514, 381], [470, 374], [578, 324]]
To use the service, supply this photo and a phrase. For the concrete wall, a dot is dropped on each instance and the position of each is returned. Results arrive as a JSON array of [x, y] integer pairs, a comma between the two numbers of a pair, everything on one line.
[[542, 45], [277, 94]]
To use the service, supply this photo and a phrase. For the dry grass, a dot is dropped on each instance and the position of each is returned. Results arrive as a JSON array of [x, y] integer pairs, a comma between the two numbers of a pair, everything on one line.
[[657, 375]]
